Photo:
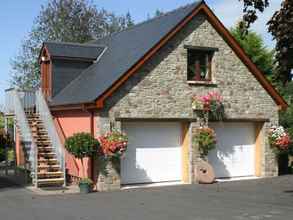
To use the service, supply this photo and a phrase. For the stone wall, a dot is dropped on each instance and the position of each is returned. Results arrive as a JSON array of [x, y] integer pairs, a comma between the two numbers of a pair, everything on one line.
[[159, 90]]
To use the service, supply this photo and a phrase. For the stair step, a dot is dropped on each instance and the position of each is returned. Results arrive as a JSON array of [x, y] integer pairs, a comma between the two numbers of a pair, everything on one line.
[[55, 166], [47, 155], [36, 134], [42, 139], [42, 144], [38, 141], [45, 149], [36, 121], [50, 181], [48, 161], [41, 131], [54, 174], [32, 115]]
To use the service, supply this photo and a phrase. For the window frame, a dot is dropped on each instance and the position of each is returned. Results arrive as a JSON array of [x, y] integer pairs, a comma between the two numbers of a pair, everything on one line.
[[208, 52]]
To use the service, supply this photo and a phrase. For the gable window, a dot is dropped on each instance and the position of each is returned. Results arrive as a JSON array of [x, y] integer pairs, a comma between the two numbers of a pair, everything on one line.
[[199, 63]]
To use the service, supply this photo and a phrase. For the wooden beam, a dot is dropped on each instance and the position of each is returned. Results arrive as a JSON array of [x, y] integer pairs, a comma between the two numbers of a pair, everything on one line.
[[258, 149], [185, 153]]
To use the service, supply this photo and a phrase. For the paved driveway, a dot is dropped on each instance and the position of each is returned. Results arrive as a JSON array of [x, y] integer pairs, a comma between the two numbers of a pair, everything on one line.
[[252, 199]]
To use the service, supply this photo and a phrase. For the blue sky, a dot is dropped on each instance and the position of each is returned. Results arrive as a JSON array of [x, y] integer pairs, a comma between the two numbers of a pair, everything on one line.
[[16, 19]]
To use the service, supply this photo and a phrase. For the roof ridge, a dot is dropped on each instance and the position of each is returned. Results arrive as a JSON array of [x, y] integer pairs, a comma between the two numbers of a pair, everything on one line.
[[74, 44], [149, 20]]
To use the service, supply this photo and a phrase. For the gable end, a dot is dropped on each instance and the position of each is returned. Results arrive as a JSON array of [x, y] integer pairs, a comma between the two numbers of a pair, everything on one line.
[[219, 27]]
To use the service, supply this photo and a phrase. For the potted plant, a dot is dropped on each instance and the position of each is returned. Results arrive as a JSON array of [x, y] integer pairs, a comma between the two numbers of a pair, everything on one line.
[[113, 147], [210, 104], [82, 145], [113, 144], [85, 185], [281, 144], [279, 140], [205, 139]]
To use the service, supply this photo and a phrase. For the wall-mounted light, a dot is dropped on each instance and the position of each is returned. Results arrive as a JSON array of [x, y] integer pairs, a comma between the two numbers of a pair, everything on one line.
[[43, 58]]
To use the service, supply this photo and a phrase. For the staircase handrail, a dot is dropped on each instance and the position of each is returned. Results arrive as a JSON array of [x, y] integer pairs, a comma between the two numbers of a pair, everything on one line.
[[25, 131]]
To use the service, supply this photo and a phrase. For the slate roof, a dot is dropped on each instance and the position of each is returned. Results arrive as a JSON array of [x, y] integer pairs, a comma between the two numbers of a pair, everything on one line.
[[123, 50], [74, 50]]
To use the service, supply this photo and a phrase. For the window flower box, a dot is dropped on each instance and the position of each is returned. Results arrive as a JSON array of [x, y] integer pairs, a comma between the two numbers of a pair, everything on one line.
[[211, 104]]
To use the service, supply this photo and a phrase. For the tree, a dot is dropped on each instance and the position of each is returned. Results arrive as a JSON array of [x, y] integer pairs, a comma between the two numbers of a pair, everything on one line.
[[280, 26], [158, 13], [250, 9], [66, 21], [82, 145], [255, 48]]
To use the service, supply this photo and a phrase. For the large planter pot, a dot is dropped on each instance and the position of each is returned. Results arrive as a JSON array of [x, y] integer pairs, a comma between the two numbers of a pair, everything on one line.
[[85, 188], [109, 175], [283, 164]]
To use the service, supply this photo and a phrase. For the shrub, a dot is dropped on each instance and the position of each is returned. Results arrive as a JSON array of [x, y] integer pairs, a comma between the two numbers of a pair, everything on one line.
[[82, 145], [5, 141]]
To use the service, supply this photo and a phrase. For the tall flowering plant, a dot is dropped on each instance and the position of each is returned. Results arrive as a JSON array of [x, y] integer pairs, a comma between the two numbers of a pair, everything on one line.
[[113, 144], [279, 140], [211, 103], [205, 138]]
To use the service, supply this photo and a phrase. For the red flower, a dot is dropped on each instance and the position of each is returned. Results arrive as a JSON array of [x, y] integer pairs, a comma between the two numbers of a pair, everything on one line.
[[113, 144]]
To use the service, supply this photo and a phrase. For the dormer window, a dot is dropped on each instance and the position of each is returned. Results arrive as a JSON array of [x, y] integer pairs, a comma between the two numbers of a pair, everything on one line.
[[199, 63]]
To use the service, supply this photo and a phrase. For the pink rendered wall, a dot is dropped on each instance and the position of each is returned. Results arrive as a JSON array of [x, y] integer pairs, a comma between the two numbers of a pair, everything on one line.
[[67, 124]]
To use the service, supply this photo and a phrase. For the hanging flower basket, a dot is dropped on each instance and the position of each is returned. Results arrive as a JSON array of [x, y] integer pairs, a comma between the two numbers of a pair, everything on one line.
[[211, 104], [279, 140], [113, 144], [205, 139]]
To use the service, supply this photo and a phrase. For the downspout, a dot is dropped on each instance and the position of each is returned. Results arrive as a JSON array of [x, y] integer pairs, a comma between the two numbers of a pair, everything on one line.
[[92, 129]]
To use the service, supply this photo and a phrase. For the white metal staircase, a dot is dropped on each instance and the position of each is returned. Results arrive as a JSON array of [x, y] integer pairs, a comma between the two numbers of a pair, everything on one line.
[[39, 138]]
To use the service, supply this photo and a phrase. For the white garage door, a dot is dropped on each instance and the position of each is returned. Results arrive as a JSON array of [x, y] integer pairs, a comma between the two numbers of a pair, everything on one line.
[[153, 153], [234, 155]]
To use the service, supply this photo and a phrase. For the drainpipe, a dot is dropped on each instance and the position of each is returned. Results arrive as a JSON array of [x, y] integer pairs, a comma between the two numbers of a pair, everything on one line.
[[92, 129]]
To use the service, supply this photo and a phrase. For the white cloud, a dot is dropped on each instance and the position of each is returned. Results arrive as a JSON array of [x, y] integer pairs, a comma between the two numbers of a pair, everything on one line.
[[230, 11]]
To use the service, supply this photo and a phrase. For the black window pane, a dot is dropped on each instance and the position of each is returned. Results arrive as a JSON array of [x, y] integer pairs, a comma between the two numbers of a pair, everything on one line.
[[198, 65]]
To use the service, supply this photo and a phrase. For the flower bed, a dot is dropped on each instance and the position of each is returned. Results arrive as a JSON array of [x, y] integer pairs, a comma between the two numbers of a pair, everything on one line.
[[279, 140]]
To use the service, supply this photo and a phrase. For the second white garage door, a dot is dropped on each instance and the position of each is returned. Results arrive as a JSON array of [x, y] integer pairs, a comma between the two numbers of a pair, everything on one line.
[[234, 155], [153, 153]]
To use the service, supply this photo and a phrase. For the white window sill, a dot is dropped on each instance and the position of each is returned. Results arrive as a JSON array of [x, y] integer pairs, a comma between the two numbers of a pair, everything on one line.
[[211, 83]]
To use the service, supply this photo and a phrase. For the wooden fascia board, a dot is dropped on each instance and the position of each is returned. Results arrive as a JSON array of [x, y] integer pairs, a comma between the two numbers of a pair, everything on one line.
[[44, 49], [226, 36], [84, 107]]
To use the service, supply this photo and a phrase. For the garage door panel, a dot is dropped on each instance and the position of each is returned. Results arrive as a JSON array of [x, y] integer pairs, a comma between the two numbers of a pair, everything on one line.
[[153, 153], [234, 154], [158, 134]]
